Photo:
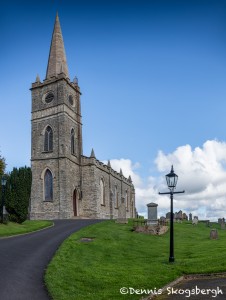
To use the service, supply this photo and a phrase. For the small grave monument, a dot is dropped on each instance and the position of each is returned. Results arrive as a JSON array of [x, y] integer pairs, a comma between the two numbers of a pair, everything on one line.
[[190, 217], [152, 214], [213, 234], [195, 221], [223, 224]]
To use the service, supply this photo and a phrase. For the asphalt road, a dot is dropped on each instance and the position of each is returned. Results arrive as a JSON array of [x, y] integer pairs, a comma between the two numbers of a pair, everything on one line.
[[23, 260]]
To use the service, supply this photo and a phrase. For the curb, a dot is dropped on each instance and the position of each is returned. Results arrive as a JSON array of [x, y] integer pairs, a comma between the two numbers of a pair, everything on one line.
[[25, 233], [186, 277]]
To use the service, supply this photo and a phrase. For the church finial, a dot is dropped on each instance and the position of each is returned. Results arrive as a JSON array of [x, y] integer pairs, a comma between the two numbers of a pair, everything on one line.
[[92, 155], [38, 78], [57, 57], [109, 164]]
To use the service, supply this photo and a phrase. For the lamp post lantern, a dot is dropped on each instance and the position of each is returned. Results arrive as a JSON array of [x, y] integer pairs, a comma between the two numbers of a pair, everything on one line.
[[3, 183], [171, 180]]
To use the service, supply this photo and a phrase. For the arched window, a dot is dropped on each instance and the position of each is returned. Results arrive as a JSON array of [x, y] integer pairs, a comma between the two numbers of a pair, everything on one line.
[[72, 141], [127, 200], [48, 142], [102, 192], [116, 197], [48, 185]]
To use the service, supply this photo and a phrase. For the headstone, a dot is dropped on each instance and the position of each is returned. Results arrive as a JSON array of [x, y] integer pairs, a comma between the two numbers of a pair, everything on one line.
[[223, 224], [195, 221], [122, 212], [190, 217], [168, 215], [219, 221], [213, 234], [152, 214], [184, 216]]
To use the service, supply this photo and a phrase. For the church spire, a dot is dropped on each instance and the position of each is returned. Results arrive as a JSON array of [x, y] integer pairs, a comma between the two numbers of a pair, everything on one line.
[[57, 62]]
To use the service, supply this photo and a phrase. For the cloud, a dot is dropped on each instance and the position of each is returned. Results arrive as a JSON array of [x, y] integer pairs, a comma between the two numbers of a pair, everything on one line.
[[201, 173]]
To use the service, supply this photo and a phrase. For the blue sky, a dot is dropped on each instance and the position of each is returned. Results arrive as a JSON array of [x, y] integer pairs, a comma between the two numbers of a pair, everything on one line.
[[152, 76]]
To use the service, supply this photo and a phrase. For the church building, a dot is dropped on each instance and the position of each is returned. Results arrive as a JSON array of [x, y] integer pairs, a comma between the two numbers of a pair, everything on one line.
[[65, 183]]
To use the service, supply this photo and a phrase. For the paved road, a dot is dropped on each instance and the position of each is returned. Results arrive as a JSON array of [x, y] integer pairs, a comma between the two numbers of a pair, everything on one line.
[[23, 260]]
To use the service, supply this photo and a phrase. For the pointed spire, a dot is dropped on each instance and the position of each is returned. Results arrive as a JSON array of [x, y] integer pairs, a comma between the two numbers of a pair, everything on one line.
[[92, 155], [109, 164], [37, 78], [130, 180], [57, 62], [121, 171]]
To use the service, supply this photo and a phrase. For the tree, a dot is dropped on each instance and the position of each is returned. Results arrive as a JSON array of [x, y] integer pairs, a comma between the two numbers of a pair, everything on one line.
[[2, 165], [18, 191]]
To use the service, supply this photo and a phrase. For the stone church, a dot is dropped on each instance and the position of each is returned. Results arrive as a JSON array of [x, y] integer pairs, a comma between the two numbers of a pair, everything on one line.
[[65, 183]]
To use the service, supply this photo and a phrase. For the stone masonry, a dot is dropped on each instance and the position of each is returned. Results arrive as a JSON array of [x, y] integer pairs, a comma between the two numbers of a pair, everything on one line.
[[78, 185]]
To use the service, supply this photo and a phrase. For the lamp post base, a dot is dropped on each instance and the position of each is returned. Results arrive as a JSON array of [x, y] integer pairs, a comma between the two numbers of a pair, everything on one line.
[[171, 259]]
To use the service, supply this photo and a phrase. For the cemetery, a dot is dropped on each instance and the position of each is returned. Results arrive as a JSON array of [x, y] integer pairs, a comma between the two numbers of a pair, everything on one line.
[[121, 257]]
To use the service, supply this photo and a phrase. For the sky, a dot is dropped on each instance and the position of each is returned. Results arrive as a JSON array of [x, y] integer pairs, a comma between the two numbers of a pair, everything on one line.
[[152, 76]]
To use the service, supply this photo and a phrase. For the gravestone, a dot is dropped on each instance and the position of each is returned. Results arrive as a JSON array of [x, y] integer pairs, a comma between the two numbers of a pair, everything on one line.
[[213, 234], [190, 217], [152, 214], [195, 221], [223, 224], [122, 212]]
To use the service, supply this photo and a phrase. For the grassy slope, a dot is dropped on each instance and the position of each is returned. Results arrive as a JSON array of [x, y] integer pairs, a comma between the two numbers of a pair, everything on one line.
[[27, 226], [119, 257]]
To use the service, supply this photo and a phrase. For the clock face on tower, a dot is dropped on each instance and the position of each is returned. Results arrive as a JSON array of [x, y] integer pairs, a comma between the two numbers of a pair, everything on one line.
[[48, 97]]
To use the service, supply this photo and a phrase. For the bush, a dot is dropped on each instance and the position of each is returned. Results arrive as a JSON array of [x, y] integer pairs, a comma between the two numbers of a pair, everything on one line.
[[18, 189]]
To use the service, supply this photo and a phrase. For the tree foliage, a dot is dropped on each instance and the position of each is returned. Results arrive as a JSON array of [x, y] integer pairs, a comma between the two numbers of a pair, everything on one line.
[[2, 165], [17, 194]]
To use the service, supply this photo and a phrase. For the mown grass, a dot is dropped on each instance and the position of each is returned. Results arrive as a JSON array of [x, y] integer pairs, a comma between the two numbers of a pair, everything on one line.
[[118, 258], [27, 226]]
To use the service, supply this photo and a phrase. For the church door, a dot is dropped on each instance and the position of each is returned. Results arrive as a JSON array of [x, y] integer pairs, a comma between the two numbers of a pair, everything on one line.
[[75, 203]]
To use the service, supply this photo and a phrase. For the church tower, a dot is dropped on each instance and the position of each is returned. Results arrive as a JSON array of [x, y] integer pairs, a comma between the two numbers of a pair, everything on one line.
[[56, 146]]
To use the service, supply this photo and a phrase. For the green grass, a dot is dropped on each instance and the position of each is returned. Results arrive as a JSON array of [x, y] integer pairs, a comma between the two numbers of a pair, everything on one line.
[[27, 226], [118, 257]]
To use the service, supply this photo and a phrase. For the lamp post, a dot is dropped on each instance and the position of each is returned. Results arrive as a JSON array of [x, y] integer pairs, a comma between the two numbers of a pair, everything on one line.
[[171, 180], [3, 182]]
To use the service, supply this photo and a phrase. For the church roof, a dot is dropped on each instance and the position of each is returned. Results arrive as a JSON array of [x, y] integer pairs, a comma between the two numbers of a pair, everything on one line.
[[57, 62]]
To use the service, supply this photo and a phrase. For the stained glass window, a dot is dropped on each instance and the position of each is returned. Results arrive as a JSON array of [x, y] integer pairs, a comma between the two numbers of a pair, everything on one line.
[[48, 142], [48, 183]]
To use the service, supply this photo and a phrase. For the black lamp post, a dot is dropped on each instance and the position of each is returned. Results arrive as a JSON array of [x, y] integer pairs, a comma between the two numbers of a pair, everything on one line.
[[171, 180], [3, 182]]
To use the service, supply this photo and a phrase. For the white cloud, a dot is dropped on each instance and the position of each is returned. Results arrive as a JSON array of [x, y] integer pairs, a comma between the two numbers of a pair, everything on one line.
[[201, 173]]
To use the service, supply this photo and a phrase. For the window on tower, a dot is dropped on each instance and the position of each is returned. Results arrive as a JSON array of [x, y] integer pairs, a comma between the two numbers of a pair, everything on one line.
[[48, 139], [49, 97], [48, 185], [72, 141]]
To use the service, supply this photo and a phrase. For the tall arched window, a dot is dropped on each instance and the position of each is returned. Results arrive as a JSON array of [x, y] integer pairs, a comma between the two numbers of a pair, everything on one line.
[[72, 141], [127, 200], [102, 192], [48, 185], [48, 142], [116, 197]]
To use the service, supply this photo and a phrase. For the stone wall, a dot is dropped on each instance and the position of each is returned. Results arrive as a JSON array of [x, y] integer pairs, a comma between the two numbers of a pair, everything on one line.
[[93, 172]]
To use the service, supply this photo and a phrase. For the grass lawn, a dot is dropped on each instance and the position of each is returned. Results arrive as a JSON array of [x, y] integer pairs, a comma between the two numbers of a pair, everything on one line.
[[27, 226], [118, 257]]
